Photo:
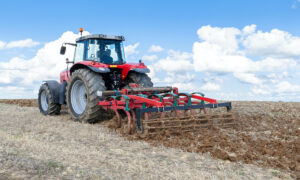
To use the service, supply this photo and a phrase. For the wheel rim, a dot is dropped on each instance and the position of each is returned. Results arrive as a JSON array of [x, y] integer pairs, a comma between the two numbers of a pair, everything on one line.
[[78, 97], [44, 101]]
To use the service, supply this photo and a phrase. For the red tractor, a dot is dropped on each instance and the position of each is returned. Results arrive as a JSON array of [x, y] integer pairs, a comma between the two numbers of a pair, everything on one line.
[[100, 79], [99, 64]]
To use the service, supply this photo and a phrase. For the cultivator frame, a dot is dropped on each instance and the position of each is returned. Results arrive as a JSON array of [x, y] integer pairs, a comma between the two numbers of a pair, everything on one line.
[[138, 101]]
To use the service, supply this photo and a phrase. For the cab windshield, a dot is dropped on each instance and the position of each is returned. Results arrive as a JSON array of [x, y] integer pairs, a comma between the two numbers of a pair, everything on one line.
[[104, 51]]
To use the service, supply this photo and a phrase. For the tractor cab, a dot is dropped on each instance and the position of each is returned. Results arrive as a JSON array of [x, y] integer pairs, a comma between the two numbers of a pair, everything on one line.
[[99, 48]]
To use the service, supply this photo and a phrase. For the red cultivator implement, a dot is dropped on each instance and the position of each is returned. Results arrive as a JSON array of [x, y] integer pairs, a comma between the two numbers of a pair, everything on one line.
[[173, 111]]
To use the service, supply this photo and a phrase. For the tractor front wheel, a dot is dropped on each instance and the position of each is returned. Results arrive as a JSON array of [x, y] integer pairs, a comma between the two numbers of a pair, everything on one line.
[[46, 102], [81, 95]]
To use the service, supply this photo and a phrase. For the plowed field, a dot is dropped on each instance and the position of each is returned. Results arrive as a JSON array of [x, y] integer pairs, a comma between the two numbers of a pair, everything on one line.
[[267, 134]]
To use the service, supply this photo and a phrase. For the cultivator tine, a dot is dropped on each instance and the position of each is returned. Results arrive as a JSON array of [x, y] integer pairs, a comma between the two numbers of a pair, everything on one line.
[[133, 120], [118, 118], [128, 129]]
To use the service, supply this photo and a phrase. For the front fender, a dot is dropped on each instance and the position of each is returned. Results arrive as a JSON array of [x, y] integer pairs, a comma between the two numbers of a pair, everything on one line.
[[141, 70], [99, 69], [54, 89]]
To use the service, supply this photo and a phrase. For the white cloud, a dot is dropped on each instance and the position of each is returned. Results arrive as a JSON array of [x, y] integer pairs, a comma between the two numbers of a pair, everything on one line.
[[225, 38], [285, 86], [22, 43], [176, 70], [282, 89], [212, 58], [249, 29], [210, 87], [2, 44], [149, 57], [261, 90], [277, 77], [275, 43], [18, 44], [155, 48], [17, 92], [248, 78], [175, 62], [220, 51], [45, 65], [212, 78], [179, 78], [186, 87], [152, 74], [131, 49]]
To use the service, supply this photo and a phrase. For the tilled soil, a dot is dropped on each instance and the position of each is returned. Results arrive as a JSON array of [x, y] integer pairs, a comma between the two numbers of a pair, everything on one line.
[[267, 134], [21, 102], [33, 146]]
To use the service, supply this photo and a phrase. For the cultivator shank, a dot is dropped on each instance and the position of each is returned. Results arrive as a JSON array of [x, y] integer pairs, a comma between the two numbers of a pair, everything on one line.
[[157, 109]]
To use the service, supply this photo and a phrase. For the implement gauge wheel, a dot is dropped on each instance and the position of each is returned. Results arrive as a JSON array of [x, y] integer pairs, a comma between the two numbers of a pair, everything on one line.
[[81, 95], [46, 102]]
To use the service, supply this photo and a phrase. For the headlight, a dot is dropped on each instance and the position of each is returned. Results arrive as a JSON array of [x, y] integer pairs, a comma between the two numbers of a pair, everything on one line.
[[99, 93], [102, 69]]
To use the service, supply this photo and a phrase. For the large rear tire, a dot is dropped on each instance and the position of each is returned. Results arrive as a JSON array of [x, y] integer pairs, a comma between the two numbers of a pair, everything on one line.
[[46, 102], [81, 95], [143, 80]]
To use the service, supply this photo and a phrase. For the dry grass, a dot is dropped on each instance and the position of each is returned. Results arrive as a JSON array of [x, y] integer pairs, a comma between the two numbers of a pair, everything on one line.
[[33, 146]]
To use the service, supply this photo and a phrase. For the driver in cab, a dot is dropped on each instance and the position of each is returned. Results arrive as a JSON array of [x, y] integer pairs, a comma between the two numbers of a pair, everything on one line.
[[106, 58]]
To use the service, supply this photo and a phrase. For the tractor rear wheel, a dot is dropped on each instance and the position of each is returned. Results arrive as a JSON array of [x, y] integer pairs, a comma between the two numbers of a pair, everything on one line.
[[46, 102], [81, 95], [143, 80]]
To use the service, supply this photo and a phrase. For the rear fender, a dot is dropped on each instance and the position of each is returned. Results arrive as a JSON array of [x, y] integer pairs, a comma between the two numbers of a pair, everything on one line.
[[93, 68], [127, 69]]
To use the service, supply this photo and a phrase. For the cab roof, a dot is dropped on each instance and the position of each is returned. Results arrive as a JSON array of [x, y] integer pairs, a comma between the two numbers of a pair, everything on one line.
[[101, 36]]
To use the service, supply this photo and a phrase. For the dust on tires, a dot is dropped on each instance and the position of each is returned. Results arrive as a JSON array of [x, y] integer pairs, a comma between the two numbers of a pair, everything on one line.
[[92, 82], [46, 102]]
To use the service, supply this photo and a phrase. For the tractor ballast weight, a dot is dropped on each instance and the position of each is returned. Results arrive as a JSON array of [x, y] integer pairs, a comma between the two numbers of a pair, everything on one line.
[[100, 79]]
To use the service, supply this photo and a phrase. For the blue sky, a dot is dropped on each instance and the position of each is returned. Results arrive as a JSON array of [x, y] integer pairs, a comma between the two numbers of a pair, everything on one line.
[[174, 26]]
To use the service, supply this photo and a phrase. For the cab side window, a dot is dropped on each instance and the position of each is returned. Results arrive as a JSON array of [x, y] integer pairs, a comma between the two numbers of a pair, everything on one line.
[[79, 52], [90, 50]]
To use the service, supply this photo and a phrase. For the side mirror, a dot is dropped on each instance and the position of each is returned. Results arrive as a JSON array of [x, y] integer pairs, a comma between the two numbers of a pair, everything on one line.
[[63, 50]]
